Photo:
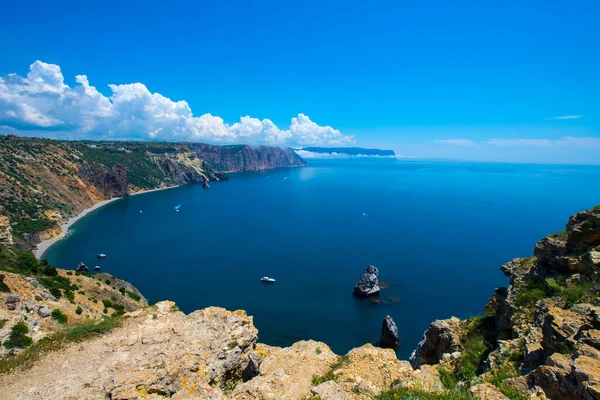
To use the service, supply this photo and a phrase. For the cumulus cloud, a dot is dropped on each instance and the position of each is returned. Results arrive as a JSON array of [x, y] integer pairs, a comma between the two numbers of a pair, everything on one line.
[[565, 117], [42, 101]]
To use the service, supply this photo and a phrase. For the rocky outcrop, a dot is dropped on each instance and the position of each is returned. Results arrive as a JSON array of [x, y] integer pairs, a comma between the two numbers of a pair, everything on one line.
[[368, 285], [286, 373], [6, 238], [389, 339], [442, 337], [243, 158], [111, 183]]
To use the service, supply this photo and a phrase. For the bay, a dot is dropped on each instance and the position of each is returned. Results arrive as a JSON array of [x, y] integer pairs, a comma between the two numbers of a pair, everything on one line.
[[437, 231]]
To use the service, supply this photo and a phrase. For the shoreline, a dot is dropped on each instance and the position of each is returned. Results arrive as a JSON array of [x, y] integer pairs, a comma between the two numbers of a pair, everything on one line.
[[43, 246]]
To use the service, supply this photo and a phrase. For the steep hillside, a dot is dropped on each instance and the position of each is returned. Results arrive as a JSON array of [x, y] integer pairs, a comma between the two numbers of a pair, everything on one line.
[[244, 158], [44, 182], [45, 299]]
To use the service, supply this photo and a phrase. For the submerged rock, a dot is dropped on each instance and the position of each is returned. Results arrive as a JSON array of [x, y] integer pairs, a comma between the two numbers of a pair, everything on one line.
[[389, 334], [368, 285]]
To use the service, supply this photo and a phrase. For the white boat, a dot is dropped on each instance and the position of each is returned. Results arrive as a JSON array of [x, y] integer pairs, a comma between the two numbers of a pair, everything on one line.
[[266, 279], [97, 268], [101, 255]]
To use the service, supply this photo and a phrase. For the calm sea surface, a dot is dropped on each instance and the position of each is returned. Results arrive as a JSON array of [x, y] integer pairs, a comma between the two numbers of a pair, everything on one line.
[[438, 232]]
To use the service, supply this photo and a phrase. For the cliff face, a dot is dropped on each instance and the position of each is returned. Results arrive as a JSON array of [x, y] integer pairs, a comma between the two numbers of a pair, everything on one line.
[[38, 176], [541, 334], [243, 158]]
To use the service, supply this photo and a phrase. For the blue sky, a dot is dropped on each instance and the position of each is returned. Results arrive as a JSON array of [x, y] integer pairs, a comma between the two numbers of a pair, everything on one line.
[[473, 80]]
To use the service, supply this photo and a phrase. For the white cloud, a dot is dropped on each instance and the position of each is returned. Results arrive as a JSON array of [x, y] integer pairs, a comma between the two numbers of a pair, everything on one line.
[[457, 142], [565, 117], [42, 101]]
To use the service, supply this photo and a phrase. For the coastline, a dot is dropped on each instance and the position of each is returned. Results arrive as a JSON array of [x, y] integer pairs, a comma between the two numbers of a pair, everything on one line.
[[43, 247]]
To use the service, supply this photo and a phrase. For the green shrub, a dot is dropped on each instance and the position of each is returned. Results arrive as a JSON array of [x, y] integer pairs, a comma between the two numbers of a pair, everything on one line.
[[59, 316], [413, 394], [133, 295], [27, 261], [588, 225], [79, 310], [49, 270], [122, 290], [18, 337], [107, 282]]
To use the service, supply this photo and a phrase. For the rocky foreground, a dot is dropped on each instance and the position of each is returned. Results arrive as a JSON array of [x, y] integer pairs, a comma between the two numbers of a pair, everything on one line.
[[539, 338]]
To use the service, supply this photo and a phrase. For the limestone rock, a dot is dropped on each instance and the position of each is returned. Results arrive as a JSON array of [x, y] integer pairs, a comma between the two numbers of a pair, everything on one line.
[[329, 391], [486, 391], [31, 306], [369, 369], [560, 327], [442, 336], [368, 285], [44, 312], [12, 298], [426, 378], [286, 373]]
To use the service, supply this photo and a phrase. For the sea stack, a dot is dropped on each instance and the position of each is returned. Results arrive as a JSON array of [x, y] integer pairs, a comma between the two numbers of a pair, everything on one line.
[[389, 334], [368, 285]]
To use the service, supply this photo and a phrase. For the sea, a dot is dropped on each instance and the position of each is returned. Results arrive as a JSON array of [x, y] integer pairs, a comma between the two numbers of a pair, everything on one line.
[[437, 231]]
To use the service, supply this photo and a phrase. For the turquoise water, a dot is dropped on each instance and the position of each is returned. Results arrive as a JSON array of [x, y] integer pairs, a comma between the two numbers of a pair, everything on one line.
[[438, 232]]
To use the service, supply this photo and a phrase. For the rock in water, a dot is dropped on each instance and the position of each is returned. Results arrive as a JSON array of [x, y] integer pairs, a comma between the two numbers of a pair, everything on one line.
[[205, 185], [389, 334], [368, 285]]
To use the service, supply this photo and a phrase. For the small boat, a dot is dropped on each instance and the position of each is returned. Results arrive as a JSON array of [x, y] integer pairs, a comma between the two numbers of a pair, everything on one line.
[[101, 255], [97, 268], [81, 267], [266, 279]]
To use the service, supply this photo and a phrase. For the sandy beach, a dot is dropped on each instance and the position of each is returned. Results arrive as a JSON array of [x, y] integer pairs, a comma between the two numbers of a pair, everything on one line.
[[46, 244]]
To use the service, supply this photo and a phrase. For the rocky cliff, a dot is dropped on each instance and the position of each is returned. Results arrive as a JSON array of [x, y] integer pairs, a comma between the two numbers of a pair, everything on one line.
[[44, 182], [540, 336], [244, 158]]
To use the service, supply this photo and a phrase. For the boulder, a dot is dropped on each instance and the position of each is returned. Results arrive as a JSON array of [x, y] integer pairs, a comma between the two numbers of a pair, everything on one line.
[[31, 306], [44, 312], [442, 336], [389, 334], [12, 298], [368, 285], [205, 185]]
